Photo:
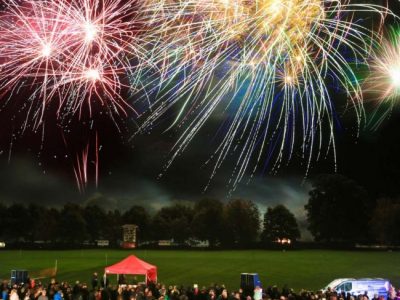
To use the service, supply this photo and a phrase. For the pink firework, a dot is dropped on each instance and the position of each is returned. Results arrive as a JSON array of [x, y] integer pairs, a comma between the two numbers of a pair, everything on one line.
[[78, 52]]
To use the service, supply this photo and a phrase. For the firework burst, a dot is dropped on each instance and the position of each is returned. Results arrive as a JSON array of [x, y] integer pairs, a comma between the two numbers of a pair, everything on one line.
[[268, 67], [68, 58], [383, 82], [384, 79], [75, 52]]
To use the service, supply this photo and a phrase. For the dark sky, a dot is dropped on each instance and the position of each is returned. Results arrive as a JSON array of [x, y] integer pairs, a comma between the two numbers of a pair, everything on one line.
[[38, 166]]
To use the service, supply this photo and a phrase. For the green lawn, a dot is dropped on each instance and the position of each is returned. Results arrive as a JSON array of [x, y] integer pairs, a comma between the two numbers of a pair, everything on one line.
[[309, 269]]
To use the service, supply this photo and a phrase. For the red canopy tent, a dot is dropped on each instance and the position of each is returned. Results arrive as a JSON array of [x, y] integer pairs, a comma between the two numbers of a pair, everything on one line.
[[135, 266]]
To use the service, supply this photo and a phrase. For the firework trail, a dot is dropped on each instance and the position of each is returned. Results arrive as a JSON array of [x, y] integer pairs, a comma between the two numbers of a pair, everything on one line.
[[82, 165], [268, 68]]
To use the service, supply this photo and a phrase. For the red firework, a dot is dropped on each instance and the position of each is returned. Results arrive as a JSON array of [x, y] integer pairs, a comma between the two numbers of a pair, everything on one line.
[[78, 52]]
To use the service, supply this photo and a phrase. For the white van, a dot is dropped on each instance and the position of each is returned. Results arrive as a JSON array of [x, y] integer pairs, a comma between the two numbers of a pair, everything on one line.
[[356, 287]]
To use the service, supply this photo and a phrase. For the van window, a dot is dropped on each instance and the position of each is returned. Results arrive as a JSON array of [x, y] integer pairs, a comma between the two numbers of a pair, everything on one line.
[[345, 287], [348, 286]]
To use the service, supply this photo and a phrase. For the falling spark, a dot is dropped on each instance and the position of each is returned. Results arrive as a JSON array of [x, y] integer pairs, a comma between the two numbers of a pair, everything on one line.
[[267, 67]]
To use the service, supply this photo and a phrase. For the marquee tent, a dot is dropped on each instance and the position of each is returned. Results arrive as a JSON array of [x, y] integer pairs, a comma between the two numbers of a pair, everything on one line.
[[135, 266]]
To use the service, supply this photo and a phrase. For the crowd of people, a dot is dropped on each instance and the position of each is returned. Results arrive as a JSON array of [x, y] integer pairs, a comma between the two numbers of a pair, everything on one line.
[[102, 290]]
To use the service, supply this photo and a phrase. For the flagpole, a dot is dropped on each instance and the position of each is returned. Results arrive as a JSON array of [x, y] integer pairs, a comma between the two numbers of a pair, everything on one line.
[[56, 268]]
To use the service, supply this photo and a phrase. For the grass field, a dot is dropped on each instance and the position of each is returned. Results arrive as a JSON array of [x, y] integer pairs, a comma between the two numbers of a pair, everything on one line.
[[309, 269]]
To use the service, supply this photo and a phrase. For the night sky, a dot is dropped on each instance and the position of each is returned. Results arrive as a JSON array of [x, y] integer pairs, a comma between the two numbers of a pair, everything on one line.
[[38, 166]]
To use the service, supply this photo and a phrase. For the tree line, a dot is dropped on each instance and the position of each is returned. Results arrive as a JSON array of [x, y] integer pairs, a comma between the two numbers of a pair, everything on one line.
[[338, 211], [235, 223]]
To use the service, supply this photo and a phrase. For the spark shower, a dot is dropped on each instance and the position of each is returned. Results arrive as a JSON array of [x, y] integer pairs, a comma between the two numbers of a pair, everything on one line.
[[267, 68]]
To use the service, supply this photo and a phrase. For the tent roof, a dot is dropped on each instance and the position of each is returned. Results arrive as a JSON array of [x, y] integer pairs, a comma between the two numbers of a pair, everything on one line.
[[130, 265]]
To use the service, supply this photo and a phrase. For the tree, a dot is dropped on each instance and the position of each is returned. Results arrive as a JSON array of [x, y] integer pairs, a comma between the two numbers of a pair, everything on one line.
[[138, 215], [385, 221], [17, 223], [173, 222], [337, 209], [47, 225], [208, 220], [34, 212], [279, 223], [242, 222], [72, 225], [3, 216], [95, 220], [113, 230]]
